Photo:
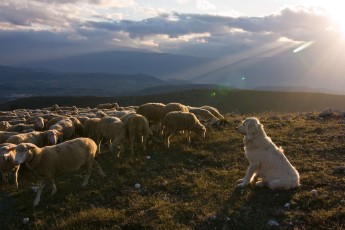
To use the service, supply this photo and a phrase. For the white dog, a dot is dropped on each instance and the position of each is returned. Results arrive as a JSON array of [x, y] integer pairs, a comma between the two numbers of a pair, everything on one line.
[[267, 162]]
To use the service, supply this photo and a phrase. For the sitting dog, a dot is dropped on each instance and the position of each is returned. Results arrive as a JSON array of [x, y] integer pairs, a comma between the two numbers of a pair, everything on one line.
[[267, 162]]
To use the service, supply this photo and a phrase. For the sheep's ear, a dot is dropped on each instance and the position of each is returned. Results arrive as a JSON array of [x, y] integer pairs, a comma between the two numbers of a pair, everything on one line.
[[11, 149]]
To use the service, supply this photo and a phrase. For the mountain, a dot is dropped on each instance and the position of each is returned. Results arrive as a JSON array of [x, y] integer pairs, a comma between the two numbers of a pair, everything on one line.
[[20, 82], [161, 65]]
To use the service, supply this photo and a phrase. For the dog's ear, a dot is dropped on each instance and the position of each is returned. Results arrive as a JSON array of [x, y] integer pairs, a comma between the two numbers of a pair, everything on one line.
[[252, 128]]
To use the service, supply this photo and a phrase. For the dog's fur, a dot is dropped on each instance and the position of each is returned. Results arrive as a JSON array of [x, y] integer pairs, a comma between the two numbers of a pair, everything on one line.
[[267, 162]]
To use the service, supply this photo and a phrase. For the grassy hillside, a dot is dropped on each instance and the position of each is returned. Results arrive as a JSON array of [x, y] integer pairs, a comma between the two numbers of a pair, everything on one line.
[[194, 186], [227, 100]]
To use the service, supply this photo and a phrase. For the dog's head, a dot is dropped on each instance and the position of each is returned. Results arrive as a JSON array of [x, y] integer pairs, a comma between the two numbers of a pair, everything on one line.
[[249, 127]]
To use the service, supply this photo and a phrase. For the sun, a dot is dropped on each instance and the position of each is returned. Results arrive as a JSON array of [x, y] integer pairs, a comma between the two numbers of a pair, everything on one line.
[[336, 13]]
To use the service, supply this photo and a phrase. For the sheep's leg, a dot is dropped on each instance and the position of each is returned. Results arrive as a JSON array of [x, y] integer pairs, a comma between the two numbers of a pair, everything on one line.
[[144, 142], [188, 137], [132, 138], [98, 168], [168, 140], [88, 174], [16, 177], [54, 189], [38, 196]]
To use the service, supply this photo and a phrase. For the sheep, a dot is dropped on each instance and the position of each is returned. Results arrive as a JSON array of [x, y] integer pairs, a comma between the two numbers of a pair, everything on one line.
[[79, 128], [137, 126], [66, 127], [37, 125], [174, 107], [90, 128], [38, 138], [8, 118], [49, 161], [4, 125], [6, 163], [214, 111], [108, 106], [203, 114], [100, 114], [111, 128], [179, 121], [53, 120], [152, 111], [4, 135], [126, 116]]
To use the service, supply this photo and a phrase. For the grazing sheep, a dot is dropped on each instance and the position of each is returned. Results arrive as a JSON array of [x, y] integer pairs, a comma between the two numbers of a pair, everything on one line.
[[53, 120], [66, 127], [100, 114], [176, 121], [126, 116], [38, 138], [203, 114], [108, 106], [67, 157], [137, 126], [174, 107], [214, 111], [4, 135], [90, 128], [152, 111], [82, 119], [6, 163], [111, 128]]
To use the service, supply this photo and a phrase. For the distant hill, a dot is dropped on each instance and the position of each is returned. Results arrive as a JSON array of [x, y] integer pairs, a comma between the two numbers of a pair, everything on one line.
[[161, 65], [319, 67], [20, 82], [227, 100]]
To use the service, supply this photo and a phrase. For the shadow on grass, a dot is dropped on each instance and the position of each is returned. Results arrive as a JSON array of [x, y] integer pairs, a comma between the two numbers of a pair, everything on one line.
[[249, 208]]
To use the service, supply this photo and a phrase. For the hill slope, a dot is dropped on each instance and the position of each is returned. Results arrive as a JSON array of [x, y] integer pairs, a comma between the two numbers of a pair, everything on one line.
[[227, 100]]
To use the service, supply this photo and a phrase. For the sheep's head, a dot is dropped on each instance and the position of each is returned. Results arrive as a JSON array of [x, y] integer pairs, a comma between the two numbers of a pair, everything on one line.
[[23, 153], [4, 125], [53, 136], [6, 152], [39, 123], [200, 130]]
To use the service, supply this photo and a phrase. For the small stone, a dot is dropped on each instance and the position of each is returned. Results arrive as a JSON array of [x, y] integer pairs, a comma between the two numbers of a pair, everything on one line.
[[137, 186], [272, 224], [314, 192], [287, 205], [25, 220], [148, 157]]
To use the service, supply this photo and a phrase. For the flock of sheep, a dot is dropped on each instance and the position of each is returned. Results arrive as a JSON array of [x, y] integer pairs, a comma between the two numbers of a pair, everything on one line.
[[58, 140]]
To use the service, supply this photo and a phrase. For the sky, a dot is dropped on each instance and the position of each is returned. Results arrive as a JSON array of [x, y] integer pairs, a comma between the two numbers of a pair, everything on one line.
[[33, 30]]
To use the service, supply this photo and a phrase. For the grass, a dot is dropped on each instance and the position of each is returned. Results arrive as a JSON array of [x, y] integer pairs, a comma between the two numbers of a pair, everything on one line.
[[194, 186]]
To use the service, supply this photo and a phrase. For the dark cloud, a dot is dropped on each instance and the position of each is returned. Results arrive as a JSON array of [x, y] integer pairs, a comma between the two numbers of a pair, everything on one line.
[[214, 35]]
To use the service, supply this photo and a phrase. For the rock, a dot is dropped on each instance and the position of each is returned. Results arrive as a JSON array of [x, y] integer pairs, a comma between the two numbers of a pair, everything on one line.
[[287, 205], [26, 220], [314, 192], [272, 224], [137, 186]]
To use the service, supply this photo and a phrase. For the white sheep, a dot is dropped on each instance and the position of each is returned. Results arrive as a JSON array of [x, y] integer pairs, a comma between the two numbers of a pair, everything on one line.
[[177, 121], [111, 128], [91, 127], [4, 125], [203, 114], [38, 124], [7, 153], [4, 135], [174, 106], [38, 138], [137, 126], [108, 106], [152, 111], [66, 127], [214, 111], [67, 157]]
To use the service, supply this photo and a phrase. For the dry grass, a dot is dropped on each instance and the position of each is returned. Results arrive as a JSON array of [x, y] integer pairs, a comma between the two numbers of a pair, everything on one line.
[[194, 186]]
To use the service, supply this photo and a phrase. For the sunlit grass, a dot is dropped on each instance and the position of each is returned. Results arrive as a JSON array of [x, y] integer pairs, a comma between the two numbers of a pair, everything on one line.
[[193, 186]]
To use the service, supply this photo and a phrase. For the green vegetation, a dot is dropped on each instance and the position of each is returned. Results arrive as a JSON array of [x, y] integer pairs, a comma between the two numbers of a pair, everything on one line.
[[194, 186]]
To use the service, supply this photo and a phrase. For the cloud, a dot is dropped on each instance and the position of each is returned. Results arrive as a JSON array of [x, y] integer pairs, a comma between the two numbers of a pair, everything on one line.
[[63, 25]]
